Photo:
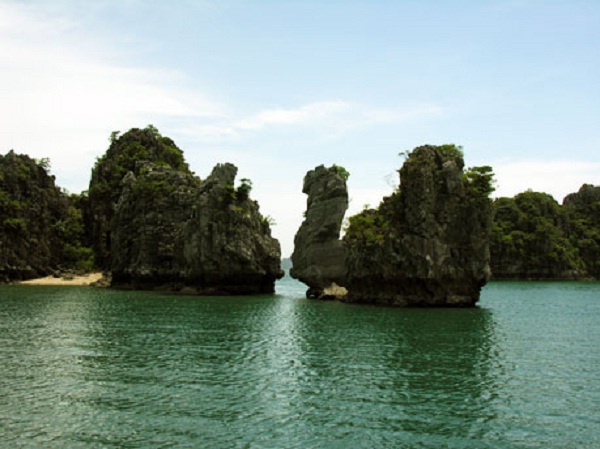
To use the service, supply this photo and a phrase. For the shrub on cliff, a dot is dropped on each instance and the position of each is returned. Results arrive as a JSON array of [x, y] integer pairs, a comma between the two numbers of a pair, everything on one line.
[[125, 154]]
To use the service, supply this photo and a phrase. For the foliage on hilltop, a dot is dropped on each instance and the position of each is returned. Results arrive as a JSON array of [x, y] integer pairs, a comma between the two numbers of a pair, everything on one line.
[[529, 239], [534, 237], [41, 227], [126, 153], [476, 184]]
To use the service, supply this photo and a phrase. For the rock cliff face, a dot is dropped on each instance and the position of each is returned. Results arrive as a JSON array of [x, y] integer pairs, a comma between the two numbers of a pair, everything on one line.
[[123, 156], [173, 231], [427, 244], [319, 255], [31, 206]]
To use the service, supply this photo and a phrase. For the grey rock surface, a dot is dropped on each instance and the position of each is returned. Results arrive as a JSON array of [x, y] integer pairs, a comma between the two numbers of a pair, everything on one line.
[[433, 244], [426, 245], [173, 231], [319, 255]]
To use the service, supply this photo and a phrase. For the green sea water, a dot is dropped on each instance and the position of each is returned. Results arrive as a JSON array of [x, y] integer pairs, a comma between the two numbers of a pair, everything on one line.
[[92, 368]]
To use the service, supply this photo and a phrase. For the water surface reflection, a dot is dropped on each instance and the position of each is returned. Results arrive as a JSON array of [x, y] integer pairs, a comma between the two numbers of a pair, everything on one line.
[[98, 368]]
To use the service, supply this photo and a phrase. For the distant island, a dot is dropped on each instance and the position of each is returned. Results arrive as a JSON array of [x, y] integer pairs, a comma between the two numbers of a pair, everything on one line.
[[148, 222]]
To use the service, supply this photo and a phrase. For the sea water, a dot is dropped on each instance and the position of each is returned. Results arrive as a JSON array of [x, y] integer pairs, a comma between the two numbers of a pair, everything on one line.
[[94, 368]]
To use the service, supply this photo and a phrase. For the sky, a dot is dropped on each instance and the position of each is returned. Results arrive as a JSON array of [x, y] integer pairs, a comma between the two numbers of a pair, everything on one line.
[[279, 87]]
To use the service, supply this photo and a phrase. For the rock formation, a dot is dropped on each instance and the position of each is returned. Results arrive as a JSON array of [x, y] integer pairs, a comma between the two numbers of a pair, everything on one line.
[[531, 239], [123, 156], [426, 245], [583, 212], [319, 255], [174, 231], [31, 205]]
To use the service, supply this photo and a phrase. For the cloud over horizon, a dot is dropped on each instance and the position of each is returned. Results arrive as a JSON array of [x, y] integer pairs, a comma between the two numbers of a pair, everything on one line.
[[228, 83]]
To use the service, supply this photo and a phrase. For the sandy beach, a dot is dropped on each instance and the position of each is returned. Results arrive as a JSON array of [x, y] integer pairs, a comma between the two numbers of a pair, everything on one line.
[[87, 279]]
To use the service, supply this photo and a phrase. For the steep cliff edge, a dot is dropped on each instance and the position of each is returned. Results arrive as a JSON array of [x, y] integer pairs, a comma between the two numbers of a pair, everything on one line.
[[173, 231], [319, 255], [123, 156], [428, 243], [30, 207]]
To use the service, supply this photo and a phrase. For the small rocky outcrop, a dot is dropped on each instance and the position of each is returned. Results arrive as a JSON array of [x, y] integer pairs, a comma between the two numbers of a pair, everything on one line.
[[428, 243], [319, 255], [587, 199], [173, 231]]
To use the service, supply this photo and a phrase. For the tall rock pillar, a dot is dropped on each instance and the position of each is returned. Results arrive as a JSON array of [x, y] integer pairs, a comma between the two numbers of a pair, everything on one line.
[[319, 255]]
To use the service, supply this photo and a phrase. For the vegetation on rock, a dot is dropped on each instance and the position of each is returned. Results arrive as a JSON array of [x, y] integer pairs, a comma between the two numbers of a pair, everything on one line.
[[427, 243], [192, 235], [150, 220], [41, 227], [583, 211], [126, 153], [528, 239], [534, 237]]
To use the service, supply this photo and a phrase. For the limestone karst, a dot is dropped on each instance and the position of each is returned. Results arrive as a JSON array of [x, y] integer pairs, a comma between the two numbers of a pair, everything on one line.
[[319, 255], [426, 244], [174, 231]]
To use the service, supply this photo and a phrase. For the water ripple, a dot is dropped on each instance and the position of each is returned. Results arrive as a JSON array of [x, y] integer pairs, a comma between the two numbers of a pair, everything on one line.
[[93, 368]]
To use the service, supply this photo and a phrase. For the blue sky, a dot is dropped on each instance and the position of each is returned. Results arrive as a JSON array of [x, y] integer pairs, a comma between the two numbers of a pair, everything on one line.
[[278, 87]]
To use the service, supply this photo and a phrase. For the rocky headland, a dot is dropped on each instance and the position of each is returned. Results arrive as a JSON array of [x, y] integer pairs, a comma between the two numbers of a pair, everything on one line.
[[148, 223], [158, 226]]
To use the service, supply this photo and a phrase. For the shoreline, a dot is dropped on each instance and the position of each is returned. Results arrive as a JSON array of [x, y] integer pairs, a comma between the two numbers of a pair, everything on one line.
[[75, 281]]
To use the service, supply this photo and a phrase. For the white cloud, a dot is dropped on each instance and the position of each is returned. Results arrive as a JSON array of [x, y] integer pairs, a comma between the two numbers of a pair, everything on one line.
[[61, 100], [308, 114], [334, 118], [558, 177]]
